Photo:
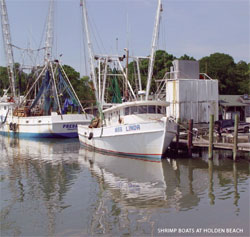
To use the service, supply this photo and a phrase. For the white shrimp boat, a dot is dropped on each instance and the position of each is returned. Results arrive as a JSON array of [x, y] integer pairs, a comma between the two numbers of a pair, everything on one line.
[[52, 126], [37, 118], [137, 128]]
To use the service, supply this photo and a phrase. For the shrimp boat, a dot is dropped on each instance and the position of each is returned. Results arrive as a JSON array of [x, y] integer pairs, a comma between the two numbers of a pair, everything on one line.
[[138, 127], [44, 116]]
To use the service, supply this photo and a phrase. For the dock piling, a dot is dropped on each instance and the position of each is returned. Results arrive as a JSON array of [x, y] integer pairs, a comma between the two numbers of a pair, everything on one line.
[[236, 121], [190, 137], [211, 136], [178, 135]]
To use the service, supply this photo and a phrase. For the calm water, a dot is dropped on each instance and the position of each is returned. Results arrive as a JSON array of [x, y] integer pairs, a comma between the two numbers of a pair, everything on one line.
[[57, 188]]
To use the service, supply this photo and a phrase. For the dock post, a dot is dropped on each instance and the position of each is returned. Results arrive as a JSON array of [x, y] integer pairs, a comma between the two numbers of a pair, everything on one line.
[[211, 182], [211, 136], [236, 121], [178, 135], [190, 137]]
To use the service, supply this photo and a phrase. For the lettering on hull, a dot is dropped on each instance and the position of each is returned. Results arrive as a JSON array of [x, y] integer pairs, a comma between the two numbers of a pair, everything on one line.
[[70, 126], [128, 128]]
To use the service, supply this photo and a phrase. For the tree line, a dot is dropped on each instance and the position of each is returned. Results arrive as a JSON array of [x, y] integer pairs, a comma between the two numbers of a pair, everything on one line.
[[234, 78]]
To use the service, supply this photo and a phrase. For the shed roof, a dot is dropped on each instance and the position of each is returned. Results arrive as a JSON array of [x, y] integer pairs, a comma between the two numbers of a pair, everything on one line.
[[232, 100]]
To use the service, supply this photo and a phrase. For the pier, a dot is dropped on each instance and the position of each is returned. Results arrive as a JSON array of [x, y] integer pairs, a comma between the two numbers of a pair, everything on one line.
[[201, 137], [203, 143]]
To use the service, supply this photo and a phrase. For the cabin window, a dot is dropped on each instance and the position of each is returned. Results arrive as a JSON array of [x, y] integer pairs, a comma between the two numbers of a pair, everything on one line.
[[161, 110], [151, 109], [133, 110], [126, 111], [142, 109]]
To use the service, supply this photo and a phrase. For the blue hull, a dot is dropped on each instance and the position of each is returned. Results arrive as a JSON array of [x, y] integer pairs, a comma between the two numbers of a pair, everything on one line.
[[40, 135]]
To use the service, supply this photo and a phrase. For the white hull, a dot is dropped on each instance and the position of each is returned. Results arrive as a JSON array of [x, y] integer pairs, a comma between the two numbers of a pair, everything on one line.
[[149, 139], [44, 126]]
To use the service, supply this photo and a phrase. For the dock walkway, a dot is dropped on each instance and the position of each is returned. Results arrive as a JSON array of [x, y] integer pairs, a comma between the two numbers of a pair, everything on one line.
[[201, 142]]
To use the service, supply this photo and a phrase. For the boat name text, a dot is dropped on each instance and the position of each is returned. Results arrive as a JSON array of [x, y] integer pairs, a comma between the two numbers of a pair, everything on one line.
[[128, 128], [70, 126]]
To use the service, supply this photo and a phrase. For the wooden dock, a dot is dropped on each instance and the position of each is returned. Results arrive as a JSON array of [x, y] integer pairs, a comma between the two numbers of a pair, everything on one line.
[[242, 146], [203, 137], [204, 143]]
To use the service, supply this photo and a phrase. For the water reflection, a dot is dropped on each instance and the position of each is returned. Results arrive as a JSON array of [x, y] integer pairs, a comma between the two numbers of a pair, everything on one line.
[[65, 190], [178, 185], [39, 172]]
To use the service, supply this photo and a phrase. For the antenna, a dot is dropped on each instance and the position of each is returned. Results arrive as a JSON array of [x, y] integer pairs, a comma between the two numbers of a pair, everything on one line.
[[49, 32], [153, 47], [8, 46]]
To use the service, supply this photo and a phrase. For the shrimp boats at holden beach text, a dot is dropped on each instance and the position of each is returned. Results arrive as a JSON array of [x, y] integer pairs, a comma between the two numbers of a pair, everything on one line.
[[137, 128]]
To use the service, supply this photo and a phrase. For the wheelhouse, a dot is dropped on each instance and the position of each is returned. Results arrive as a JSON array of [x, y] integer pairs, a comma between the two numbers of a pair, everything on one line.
[[142, 110]]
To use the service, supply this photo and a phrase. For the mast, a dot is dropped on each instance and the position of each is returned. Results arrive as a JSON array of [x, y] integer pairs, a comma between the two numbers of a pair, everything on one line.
[[49, 32], [8, 46], [90, 49], [153, 47]]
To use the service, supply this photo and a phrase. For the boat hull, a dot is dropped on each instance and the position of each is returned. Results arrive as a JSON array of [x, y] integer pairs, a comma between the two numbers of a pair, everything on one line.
[[146, 140], [54, 126]]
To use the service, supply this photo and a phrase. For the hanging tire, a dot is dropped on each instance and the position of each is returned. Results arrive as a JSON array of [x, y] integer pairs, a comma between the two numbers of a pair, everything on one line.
[[90, 136], [11, 126], [14, 126], [246, 130]]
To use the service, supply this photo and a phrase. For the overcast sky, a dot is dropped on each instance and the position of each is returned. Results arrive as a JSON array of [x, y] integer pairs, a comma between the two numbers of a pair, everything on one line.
[[197, 28]]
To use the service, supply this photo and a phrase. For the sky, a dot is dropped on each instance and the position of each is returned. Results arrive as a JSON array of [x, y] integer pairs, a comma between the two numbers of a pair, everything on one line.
[[197, 28]]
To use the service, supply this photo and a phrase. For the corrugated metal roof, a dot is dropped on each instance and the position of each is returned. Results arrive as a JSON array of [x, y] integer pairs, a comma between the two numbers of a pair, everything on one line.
[[231, 100]]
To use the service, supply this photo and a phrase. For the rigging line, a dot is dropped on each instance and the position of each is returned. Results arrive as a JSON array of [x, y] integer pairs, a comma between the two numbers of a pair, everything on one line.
[[43, 36], [54, 80], [94, 33], [72, 88], [45, 67], [100, 38]]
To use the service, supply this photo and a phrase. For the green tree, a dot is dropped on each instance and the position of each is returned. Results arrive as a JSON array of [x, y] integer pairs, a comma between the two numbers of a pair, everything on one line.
[[186, 57], [222, 67], [4, 80], [242, 76], [82, 86]]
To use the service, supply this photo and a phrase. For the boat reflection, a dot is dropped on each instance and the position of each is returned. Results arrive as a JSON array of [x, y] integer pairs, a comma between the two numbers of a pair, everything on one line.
[[170, 183]]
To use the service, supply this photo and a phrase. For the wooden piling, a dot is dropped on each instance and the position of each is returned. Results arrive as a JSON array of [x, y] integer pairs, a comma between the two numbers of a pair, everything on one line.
[[190, 137], [178, 135], [211, 136], [236, 121], [211, 182]]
